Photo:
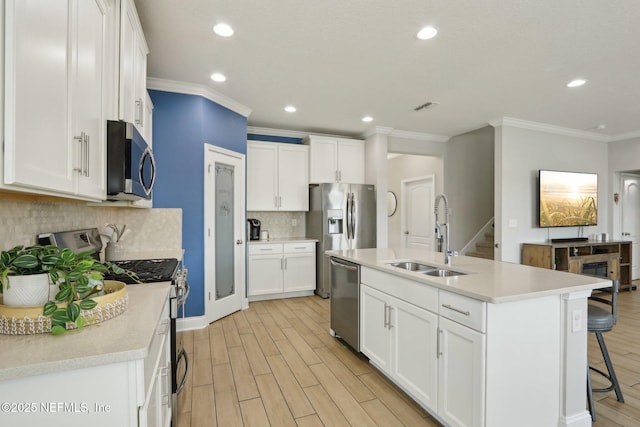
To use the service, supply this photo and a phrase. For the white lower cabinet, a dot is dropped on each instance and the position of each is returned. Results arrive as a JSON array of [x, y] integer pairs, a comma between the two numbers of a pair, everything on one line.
[[128, 393], [462, 375], [278, 270], [433, 351], [389, 337]]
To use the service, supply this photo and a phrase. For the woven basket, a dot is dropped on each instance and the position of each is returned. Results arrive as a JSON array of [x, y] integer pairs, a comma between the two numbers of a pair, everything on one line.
[[30, 320]]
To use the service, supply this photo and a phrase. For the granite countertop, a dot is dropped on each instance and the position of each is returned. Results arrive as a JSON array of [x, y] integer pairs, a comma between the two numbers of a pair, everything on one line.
[[283, 240], [124, 338], [486, 280]]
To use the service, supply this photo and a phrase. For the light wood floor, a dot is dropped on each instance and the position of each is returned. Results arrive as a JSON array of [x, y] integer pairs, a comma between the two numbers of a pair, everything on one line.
[[276, 365]]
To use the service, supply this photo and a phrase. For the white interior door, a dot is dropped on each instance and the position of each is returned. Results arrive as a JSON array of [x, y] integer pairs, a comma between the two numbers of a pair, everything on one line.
[[631, 217], [224, 193], [417, 212]]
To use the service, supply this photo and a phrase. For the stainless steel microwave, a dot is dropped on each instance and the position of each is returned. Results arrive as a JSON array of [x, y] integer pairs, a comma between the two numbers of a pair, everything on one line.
[[131, 168]]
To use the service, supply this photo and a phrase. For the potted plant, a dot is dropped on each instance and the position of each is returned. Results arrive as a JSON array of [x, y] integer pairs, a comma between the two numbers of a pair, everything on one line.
[[25, 274], [77, 276]]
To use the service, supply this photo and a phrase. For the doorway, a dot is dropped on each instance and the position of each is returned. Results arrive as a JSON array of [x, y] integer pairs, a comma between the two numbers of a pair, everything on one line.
[[417, 195], [225, 267], [630, 213]]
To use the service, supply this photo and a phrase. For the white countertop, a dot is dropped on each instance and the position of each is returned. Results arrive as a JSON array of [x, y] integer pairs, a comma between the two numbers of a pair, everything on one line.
[[282, 240], [124, 338], [486, 280]]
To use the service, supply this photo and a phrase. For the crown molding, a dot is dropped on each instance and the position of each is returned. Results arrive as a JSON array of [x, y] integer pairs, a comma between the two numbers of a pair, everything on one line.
[[625, 136], [289, 133], [276, 132], [419, 136], [196, 89], [405, 134], [543, 127]]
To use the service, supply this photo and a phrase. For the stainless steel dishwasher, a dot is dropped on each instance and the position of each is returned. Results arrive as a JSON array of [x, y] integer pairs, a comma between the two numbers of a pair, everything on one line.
[[345, 307]]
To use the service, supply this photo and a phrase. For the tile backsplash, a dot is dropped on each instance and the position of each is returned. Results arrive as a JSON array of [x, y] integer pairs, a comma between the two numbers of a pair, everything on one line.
[[23, 218], [281, 224]]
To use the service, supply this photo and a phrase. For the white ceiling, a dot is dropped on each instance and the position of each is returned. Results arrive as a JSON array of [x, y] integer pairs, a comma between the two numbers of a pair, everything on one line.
[[339, 60]]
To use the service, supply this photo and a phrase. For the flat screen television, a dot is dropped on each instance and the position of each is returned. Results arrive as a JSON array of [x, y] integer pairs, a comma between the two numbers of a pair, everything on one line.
[[567, 199]]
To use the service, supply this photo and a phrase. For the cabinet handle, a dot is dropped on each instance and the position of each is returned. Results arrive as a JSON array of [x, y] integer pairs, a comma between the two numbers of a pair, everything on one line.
[[336, 176], [164, 374], [457, 310], [438, 350], [164, 327], [138, 113], [385, 315], [86, 154], [80, 139], [279, 201]]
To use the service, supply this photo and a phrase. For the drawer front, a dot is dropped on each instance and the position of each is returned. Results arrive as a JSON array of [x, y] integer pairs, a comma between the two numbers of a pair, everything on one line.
[[464, 310], [157, 343], [416, 293], [266, 249], [291, 248]]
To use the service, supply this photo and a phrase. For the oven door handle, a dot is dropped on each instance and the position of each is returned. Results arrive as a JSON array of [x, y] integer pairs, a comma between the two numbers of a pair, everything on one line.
[[182, 355]]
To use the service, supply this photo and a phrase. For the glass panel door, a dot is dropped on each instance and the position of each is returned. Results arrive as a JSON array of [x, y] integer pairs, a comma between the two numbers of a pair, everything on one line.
[[224, 228]]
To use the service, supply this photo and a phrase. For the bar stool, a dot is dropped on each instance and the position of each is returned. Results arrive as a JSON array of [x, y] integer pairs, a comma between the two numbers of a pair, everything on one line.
[[601, 319]]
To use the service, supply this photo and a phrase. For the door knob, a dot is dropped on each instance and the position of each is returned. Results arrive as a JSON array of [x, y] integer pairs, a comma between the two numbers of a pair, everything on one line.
[[239, 242]]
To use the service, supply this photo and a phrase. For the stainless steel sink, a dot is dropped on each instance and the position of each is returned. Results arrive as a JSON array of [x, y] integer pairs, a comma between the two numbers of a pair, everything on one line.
[[441, 272], [412, 266], [427, 269]]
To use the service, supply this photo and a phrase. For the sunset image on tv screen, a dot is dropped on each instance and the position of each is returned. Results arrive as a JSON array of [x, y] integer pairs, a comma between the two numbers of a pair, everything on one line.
[[568, 199]]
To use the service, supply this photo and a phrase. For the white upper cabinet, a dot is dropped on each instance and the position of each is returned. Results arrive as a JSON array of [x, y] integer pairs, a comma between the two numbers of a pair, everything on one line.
[[133, 68], [55, 59], [277, 177], [335, 160]]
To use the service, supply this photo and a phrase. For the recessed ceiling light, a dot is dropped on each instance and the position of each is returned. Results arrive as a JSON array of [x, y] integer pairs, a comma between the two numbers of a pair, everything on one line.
[[290, 109], [576, 83], [367, 119], [223, 30], [427, 33], [218, 77]]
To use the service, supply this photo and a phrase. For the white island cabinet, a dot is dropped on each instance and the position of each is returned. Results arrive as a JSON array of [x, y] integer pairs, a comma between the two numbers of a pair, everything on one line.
[[498, 346], [116, 373]]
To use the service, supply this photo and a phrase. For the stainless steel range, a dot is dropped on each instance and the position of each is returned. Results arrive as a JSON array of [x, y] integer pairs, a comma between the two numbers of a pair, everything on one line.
[[147, 271]]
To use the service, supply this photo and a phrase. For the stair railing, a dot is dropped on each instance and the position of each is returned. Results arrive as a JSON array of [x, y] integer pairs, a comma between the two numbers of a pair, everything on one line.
[[471, 245]]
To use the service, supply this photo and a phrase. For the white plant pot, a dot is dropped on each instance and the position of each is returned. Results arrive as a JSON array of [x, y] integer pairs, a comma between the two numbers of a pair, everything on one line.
[[26, 291]]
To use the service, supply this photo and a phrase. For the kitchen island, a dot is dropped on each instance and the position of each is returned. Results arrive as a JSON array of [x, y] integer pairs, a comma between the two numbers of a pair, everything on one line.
[[499, 345], [107, 374]]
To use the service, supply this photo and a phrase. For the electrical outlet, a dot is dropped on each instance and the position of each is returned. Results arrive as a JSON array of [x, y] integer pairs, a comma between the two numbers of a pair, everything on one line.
[[576, 321]]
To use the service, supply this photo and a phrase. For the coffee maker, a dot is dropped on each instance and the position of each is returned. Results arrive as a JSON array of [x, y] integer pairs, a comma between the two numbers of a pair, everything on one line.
[[253, 228]]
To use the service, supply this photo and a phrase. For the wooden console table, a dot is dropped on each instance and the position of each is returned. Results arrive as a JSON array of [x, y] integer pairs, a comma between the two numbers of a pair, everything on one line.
[[576, 257]]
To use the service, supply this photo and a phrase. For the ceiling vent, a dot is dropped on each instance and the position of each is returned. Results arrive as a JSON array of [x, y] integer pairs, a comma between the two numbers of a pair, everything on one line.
[[426, 105]]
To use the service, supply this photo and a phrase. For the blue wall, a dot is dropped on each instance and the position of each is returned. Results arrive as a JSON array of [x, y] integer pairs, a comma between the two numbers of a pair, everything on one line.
[[182, 124]]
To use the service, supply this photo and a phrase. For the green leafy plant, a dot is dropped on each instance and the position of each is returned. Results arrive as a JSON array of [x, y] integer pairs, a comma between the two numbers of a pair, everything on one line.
[[78, 276]]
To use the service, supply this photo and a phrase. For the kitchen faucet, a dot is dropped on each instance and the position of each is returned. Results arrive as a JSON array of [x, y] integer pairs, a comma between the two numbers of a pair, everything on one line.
[[448, 253]]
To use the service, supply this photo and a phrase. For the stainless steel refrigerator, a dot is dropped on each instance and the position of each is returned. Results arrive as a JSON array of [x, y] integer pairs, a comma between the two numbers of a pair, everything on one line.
[[341, 216]]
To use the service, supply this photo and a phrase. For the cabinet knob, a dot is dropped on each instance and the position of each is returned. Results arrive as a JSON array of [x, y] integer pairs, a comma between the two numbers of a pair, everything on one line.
[[239, 242]]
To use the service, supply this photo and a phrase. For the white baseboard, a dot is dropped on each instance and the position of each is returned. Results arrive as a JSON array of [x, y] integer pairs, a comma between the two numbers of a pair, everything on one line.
[[280, 295], [190, 323]]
